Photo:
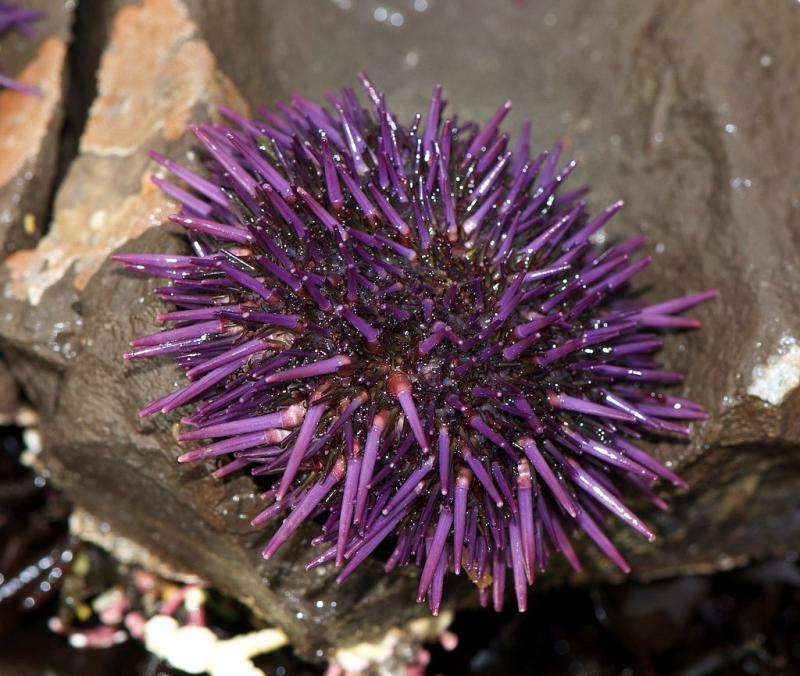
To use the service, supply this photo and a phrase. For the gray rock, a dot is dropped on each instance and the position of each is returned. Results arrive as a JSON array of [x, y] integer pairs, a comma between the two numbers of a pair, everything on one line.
[[9, 394]]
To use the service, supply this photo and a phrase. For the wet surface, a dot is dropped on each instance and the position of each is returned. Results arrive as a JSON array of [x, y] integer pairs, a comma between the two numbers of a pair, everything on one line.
[[673, 107], [742, 622], [554, 60], [30, 126], [687, 110]]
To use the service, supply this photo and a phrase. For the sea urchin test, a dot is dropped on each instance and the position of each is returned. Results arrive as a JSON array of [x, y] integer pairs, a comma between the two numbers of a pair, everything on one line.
[[408, 336]]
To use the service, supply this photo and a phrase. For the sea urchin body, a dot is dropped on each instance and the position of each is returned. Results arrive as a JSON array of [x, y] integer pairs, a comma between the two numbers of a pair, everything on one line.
[[410, 335]]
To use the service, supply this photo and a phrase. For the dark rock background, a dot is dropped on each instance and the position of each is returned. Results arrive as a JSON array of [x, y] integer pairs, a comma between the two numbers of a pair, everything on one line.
[[687, 110]]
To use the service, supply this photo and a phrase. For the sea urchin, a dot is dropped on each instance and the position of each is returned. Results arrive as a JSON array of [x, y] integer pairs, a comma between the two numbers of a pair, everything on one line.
[[411, 330]]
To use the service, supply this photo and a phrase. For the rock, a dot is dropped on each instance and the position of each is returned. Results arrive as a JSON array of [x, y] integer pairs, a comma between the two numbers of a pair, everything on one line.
[[30, 125], [655, 616], [9, 395], [68, 315], [687, 110], [146, 100], [707, 169]]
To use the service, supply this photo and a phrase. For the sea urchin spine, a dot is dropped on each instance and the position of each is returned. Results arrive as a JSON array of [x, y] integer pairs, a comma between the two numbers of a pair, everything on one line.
[[411, 331]]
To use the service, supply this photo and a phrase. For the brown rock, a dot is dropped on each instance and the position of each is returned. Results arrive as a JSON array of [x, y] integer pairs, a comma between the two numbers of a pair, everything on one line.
[[30, 125], [646, 97], [68, 316], [9, 395], [176, 71], [708, 171], [145, 100]]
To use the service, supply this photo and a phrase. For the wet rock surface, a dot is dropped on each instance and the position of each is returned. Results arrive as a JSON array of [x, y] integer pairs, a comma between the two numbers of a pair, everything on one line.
[[30, 125], [9, 394], [686, 110]]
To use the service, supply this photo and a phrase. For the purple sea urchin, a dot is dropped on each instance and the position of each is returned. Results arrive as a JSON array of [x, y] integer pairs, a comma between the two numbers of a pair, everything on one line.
[[14, 17], [411, 330]]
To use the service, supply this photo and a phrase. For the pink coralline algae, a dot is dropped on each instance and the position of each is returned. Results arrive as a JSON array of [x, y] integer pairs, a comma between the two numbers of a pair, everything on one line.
[[408, 334]]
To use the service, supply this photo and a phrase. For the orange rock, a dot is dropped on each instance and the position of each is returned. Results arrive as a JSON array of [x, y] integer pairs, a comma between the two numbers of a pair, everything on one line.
[[24, 118], [147, 98], [142, 92]]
